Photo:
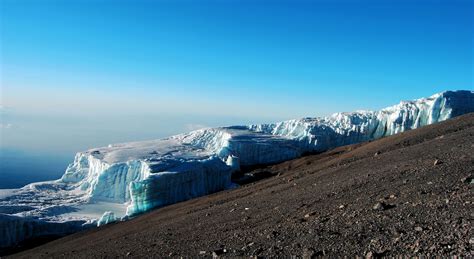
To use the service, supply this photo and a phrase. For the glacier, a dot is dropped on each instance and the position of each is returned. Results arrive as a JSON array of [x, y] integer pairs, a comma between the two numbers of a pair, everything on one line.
[[116, 182]]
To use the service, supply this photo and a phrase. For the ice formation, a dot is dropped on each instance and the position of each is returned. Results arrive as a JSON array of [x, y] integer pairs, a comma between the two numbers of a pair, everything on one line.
[[102, 183], [107, 218]]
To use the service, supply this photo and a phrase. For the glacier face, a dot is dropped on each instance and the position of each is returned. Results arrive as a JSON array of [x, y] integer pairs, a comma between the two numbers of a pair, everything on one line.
[[124, 180], [319, 134]]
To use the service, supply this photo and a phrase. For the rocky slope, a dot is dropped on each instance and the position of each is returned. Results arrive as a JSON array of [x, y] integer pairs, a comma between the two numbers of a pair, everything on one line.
[[407, 194], [123, 180]]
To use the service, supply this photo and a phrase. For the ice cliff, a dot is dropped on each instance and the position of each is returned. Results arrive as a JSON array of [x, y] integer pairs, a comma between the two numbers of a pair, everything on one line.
[[105, 184]]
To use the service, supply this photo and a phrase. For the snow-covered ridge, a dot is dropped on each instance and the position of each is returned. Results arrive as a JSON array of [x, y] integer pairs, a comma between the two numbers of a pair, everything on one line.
[[121, 180], [319, 134]]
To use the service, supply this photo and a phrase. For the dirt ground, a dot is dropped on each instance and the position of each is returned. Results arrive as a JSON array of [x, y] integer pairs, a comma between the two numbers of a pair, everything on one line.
[[408, 194]]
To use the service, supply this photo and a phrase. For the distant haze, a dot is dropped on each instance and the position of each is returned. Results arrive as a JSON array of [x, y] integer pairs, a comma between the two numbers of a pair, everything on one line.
[[80, 74]]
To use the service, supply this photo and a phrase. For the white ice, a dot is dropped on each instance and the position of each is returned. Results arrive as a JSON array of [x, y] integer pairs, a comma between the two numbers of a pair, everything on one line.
[[122, 180], [4, 193]]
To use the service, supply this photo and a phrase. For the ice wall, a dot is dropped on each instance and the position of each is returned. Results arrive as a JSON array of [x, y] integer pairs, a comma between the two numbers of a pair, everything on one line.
[[150, 174], [14, 229], [107, 218], [183, 182], [271, 143], [103, 181], [319, 134]]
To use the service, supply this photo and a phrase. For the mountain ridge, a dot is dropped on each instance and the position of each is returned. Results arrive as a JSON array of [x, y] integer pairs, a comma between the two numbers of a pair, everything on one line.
[[131, 178], [406, 194]]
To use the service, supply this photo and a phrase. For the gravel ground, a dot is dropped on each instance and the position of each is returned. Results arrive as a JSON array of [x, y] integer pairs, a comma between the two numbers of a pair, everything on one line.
[[408, 194]]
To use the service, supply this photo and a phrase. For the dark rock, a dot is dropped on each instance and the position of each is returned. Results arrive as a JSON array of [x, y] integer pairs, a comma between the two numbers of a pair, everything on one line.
[[218, 252], [437, 162], [468, 179], [257, 251], [309, 253], [379, 206]]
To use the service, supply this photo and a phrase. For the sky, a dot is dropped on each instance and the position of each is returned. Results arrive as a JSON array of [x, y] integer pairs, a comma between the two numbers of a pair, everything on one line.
[[83, 73]]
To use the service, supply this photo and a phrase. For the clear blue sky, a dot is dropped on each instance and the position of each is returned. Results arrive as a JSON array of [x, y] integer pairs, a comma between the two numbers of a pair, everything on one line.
[[81, 73]]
